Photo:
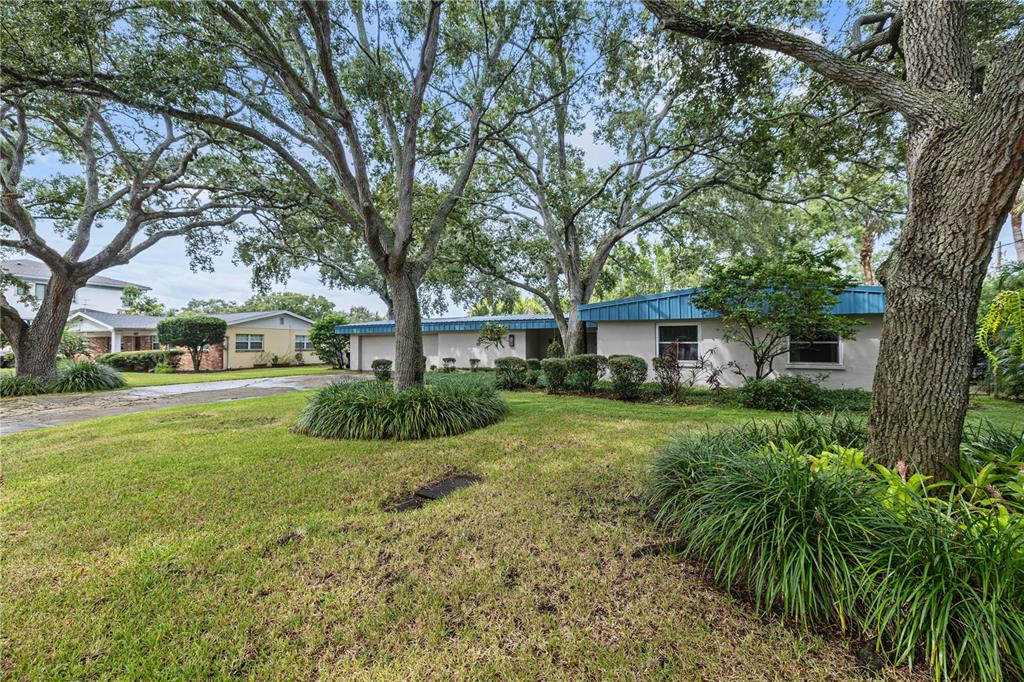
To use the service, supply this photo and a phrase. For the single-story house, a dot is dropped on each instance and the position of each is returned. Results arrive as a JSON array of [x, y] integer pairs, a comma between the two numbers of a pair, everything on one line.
[[645, 326], [251, 338]]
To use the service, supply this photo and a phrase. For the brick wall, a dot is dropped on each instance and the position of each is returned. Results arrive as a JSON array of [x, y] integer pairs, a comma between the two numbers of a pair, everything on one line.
[[212, 359], [97, 345]]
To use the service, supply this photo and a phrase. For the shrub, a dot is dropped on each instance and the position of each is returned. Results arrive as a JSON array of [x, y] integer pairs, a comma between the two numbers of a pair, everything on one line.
[[72, 344], [533, 364], [381, 369], [11, 385], [299, 359], [602, 366], [511, 373], [533, 377], [85, 375], [851, 399], [164, 368], [555, 349], [581, 371], [447, 364], [951, 580], [327, 344], [192, 332], [474, 364], [783, 394], [373, 411], [554, 373], [139, 360], [669, 372], [628, 374]]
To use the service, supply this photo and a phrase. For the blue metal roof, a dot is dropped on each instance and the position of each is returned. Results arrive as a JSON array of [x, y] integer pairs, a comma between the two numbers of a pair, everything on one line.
[[455, 324], [678, 305]]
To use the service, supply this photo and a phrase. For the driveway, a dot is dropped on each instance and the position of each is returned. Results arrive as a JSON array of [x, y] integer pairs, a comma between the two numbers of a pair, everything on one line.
[[38, 412]]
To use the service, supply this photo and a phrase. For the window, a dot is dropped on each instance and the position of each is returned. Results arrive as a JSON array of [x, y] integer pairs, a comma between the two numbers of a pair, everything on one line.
[[249, 342], [40, 291], [302, 343], [154, 344], [823, 350], [680, 337]]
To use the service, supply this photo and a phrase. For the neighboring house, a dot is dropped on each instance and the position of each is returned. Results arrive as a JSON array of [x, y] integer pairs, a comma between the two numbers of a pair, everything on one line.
[[251, 338], [645, 326], [99, 293]]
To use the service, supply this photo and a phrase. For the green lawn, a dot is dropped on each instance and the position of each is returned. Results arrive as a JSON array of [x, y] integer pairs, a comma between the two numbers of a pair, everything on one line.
[[211, 542], [135, 379]]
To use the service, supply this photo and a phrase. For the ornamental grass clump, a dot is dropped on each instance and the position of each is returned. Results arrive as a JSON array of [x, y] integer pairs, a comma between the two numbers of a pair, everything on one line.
[[11, 386], [75, 376], [793, 516], [371, 410]]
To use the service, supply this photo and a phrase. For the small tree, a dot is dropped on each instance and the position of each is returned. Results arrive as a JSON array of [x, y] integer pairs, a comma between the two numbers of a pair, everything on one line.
[[72, 344], [135, 302], [192, 332], [328, 345], [492, 335], [764, 301]]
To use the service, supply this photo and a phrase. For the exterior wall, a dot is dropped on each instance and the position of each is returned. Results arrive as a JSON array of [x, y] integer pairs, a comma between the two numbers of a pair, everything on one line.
[[462, 346], [371, 347], [107, 299], [97, 345], [212, 359], [857, 369], [278, 339]]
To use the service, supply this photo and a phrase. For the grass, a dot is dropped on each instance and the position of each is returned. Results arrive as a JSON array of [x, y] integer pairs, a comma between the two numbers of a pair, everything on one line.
[[139, 379], [212, 542]]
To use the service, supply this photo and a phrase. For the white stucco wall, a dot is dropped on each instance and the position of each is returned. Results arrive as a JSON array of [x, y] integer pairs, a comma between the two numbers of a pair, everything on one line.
[[106, 299], [462, 346], [857, 369]]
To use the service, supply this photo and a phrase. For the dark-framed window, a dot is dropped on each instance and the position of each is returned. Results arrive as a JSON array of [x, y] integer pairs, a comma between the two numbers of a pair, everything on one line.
[[302, 343], [681, 339], [822, 350], [249, 342], [40, 291]]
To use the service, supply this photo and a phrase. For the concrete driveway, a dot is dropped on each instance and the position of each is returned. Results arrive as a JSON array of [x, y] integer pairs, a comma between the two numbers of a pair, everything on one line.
[[37, 412]]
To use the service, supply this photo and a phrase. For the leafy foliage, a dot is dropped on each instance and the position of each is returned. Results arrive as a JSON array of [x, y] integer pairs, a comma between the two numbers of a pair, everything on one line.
[[581, 371], [554, 373], [192, 332], [628, 375], [786, 393], [492, 335], [511, 373], [371, 410], [72, 344], [12, 385], [85, 375], [139, 360], [328, 345], [555, 349], [381, 369], [310, 306], [765, 300], [136, 302]]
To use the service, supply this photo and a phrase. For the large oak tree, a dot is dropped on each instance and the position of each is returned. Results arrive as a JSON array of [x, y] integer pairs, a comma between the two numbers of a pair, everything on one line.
[[965, 161]]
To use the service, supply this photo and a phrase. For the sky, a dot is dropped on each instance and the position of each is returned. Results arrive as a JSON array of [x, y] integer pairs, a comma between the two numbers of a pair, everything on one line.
[[165, 268]]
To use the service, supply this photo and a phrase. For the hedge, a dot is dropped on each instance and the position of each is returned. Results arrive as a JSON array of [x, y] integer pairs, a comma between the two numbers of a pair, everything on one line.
[[139, 360]]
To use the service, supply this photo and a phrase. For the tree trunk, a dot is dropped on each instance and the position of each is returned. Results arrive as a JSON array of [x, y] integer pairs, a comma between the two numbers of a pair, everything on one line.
[[867, 252], [35, 350], [959, 197], [575, 339], [408, 367]]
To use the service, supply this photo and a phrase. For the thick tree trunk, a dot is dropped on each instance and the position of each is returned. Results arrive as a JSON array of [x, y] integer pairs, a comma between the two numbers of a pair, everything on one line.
[[408, 368], [574, 340], [959, 197], [35, 349]]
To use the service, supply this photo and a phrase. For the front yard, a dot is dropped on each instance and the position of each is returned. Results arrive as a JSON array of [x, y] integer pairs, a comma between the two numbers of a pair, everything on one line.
[[211, 542], [137, 379]]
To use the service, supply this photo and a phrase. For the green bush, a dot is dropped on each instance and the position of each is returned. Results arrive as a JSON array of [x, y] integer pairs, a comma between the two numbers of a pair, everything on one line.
[[533, 377], [511, 373], [949, 585], [139, 360], [628, 374], [581, 371], [447, 364], [11, 385], [849, 399], [554, 373], [371, 410], [792, 515], [555, 349], [381, 369], [85, 375], [474, 364], [533, 364], [669, 372], [193, 332], [164, 368], [784, 394]]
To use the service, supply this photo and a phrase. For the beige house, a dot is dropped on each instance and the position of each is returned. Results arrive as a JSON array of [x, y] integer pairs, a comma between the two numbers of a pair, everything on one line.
[[252, 338]]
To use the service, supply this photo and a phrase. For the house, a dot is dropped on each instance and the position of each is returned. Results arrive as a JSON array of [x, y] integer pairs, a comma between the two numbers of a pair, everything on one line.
[[99, 293], [252, 337], [645, 326]]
